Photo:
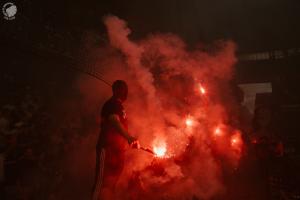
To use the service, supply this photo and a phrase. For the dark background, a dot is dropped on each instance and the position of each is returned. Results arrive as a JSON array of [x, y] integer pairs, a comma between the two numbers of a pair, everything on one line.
[[253, 25]]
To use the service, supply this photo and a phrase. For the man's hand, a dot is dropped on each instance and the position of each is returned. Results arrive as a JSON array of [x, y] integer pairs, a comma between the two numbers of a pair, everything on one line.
[[133, 142]]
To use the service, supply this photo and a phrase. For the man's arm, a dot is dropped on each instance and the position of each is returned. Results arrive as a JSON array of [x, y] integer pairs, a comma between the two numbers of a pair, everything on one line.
[[114, 119]]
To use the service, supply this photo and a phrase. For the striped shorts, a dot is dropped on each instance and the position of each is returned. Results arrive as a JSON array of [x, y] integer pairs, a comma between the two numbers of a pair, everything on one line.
[[99, 174], [109, 166]]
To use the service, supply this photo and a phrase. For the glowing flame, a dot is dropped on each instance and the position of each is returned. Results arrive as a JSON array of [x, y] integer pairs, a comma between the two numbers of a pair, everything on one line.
[[160, 149], [236, 139], [237, 144], [202, 89], [189, 122], [218, 131]]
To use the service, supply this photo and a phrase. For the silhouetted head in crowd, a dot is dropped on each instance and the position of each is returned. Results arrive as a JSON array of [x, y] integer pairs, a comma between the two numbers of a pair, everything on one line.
[[120, 90]]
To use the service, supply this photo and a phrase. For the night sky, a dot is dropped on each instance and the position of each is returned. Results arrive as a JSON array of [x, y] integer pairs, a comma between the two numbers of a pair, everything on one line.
[[255, 25]]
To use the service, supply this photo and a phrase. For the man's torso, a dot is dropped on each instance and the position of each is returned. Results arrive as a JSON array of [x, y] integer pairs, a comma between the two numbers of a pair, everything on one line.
[[109, 137]]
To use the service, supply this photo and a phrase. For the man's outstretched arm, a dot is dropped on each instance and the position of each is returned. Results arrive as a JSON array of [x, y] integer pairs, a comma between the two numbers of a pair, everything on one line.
[[115, 120]]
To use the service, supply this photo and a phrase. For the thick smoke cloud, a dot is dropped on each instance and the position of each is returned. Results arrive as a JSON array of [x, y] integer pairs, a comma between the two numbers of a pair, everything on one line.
[[164, 78]]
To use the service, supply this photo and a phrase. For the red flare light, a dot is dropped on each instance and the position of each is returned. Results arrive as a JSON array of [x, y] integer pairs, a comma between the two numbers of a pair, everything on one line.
[[218, 131], [189, 122], [237, 145], [202, 89], [236, 139], [160, 149]]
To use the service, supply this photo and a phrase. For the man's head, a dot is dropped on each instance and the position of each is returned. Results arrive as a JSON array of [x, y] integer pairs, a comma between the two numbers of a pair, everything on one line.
[[120, 89]]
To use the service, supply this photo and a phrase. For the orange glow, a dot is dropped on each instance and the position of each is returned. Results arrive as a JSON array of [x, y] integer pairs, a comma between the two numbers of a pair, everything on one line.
[[254, 141], [189, 122], [237, 144], [160, 149], [202, 89], [218, 131], [236, 139]]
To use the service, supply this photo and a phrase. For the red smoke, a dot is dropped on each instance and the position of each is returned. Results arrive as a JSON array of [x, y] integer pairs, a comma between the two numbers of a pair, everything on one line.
[[175, 107]]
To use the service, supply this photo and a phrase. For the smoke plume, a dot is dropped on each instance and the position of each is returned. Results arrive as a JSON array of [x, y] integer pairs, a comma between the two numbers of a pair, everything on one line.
[[176, 99]]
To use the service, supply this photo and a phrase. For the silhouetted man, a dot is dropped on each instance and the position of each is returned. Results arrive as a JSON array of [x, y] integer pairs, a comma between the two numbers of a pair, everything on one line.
[[112, 142]]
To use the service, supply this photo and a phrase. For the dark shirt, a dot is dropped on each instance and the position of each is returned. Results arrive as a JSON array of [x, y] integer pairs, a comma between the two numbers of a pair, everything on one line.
[[109, 137]]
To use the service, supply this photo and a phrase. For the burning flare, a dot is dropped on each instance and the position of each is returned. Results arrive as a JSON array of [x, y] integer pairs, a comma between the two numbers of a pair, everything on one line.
[[160, 149], [236, 139], [189, 122], [218, 131], [202, 89]]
